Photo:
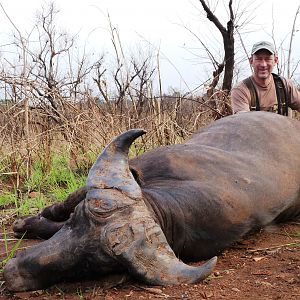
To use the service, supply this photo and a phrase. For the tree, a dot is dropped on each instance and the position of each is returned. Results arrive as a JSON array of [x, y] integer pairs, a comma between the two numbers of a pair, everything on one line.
[[228, 43], [228, 63]]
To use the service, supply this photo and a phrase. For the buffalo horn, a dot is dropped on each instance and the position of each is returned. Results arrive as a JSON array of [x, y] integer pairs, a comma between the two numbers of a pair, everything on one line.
[[111, 169], [148, 256]]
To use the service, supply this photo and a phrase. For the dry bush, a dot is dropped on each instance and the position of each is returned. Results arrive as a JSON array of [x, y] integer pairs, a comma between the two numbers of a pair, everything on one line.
[[53, 101], [88, 125]]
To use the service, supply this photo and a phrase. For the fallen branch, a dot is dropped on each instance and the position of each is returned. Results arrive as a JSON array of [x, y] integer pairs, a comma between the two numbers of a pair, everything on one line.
[[296, 244]]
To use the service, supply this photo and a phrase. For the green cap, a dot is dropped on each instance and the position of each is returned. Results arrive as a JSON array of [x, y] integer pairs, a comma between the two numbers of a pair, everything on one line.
[[263, 45]]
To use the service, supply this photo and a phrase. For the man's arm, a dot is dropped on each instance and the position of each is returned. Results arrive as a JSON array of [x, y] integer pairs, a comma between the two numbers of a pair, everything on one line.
[[295, 95], [240, 98]]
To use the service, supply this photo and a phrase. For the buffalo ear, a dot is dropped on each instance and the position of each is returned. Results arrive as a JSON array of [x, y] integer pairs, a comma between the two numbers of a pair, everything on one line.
[[137, 175]]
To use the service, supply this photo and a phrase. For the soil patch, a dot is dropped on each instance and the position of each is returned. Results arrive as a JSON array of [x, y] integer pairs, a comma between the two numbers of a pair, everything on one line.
[[265, 265]]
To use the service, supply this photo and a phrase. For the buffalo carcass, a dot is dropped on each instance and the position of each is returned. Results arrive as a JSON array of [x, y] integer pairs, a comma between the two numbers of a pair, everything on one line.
[[178, 203]]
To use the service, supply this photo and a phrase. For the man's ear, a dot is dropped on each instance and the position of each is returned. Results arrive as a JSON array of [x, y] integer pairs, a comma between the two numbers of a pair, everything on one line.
[[251, 62], [275, 59]]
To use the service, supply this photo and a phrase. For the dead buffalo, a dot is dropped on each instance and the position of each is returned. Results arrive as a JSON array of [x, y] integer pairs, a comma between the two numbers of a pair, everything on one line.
[[178, 203]]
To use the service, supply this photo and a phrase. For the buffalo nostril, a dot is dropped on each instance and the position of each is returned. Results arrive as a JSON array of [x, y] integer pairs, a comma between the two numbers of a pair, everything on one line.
[[17, 280], [11, 275]]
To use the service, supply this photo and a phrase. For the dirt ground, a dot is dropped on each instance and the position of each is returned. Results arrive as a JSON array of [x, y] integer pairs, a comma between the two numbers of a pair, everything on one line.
[[265, 265]]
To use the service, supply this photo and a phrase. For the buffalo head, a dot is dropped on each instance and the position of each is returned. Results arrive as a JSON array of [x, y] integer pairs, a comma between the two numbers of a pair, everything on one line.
[[111, 230]]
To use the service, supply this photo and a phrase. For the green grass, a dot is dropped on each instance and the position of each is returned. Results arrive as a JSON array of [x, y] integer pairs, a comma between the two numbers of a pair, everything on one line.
[[60, 175], [7, 199], [53, 185], [30, 206], [49, 187], [9, 254], [297, 234]]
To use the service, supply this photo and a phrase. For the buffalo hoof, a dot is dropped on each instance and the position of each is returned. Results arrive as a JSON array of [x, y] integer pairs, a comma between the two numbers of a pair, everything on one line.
[[35, 227]]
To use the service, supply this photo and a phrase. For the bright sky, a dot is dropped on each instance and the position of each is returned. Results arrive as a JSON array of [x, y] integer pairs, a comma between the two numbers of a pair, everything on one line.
[[161, 24]]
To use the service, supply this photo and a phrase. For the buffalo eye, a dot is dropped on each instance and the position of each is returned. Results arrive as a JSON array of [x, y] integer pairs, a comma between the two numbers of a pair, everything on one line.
[[103, 207]]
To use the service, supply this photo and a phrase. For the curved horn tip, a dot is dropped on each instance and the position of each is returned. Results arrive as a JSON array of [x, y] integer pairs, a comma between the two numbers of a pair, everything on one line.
[[208, 267], [140, 131], [124, 140], [212, 261], [204, 270], [132, 133]]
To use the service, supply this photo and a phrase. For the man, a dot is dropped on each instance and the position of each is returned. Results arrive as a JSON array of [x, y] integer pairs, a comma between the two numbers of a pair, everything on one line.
[[264, 90]]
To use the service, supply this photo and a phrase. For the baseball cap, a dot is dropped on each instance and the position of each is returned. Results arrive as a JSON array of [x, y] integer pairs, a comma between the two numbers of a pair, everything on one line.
[[263, 45]]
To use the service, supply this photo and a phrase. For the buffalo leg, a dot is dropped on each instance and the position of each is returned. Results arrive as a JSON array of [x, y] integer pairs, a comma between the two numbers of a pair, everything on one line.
[[35, 227], [50, 220], [61, 211]]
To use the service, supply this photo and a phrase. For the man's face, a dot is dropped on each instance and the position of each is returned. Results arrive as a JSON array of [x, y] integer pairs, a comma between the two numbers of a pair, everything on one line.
[[263, 63]]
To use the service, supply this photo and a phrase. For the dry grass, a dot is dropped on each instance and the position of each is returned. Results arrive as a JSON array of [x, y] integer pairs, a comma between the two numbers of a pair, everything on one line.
[[85, 127]]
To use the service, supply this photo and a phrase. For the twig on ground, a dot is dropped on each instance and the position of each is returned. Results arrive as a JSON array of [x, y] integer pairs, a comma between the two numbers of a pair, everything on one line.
[[295, 244]]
